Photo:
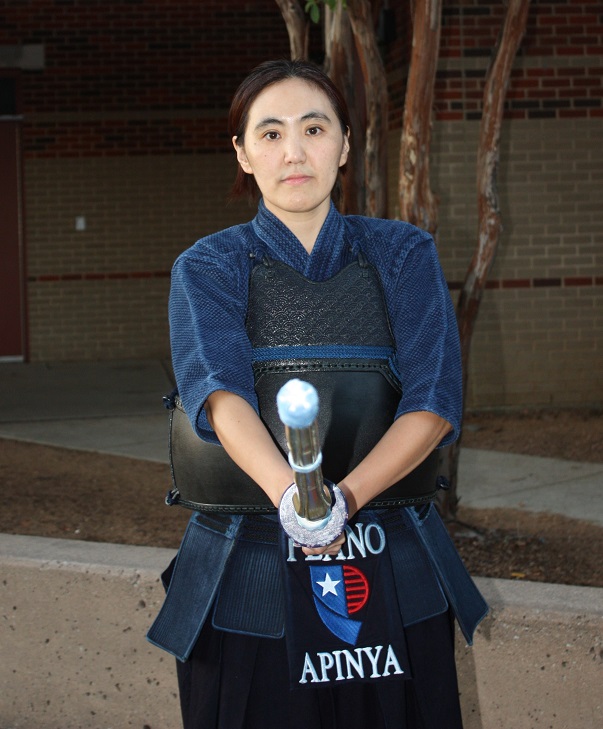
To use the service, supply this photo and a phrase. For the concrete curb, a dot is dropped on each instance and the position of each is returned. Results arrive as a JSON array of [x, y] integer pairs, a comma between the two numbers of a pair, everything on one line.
[[74, 655], [537, 660], [74, 618]]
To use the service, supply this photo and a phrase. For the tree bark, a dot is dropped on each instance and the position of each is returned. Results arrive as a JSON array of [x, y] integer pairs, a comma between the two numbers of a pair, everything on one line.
[[298, 27], [342, 66], [489, 218], [418, 205], [377, 99]]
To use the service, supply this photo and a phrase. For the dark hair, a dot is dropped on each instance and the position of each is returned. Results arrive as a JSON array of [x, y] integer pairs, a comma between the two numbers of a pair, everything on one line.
[[264, 75]]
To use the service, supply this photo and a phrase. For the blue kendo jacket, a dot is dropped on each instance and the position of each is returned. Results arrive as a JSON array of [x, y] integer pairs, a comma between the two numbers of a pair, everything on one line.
[[227, 567]]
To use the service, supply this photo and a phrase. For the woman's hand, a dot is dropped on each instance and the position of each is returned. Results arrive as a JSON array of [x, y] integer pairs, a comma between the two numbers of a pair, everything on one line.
[[331, 549]]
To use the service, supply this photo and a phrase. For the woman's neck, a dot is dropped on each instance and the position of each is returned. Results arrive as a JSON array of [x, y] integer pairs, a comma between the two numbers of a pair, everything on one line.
[[305, 231], [305, 226]]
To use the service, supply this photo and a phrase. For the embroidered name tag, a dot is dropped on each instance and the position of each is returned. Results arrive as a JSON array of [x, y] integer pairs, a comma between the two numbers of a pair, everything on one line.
[[342, 617]]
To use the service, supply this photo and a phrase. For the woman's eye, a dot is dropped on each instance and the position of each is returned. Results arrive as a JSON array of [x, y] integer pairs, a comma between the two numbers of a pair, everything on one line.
[[313, 131], [271, 135]]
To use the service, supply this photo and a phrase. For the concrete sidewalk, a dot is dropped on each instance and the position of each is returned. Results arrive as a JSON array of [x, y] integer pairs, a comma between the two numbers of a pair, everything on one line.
[[109, 407], [116, 407]]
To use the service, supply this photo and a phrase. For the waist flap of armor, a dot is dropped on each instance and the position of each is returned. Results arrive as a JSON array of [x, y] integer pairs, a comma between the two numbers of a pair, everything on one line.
[[334, 334]]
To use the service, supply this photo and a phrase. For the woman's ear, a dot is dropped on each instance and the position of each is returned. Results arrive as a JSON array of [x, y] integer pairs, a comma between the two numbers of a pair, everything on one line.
[[242, 157], [346, 148]]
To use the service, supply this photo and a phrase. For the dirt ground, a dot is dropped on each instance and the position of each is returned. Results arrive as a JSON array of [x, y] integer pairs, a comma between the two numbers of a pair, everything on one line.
[[56, 492]]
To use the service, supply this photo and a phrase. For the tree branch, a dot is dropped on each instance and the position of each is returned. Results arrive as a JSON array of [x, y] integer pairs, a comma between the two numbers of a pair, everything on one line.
[[489, 221], [298, 27], [418, 205], [377, 99]]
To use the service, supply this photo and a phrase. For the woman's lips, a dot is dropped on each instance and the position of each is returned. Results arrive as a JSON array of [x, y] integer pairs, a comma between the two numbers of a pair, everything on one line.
[[296, 179]]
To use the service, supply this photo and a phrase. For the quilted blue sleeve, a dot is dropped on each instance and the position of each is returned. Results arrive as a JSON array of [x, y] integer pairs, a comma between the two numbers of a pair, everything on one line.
[[210, 347], [427, 340]]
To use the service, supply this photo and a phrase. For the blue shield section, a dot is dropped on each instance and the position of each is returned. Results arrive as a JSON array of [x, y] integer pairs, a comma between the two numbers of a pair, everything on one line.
[[329, 592]]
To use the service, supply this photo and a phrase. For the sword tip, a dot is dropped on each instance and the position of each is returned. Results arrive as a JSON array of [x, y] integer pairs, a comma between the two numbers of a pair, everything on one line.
[[297, 403]]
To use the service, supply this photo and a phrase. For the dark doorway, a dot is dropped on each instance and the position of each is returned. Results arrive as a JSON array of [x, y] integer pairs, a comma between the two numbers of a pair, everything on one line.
[[12, 244]]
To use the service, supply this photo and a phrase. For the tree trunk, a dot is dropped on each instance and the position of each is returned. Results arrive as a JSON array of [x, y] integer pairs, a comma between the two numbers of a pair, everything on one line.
[[342, 66], [418, 205], [298, 27], [375, 83], [489, 219]]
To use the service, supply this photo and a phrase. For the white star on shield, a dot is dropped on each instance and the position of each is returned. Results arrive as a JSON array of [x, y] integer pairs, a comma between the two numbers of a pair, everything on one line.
[[328, 585]]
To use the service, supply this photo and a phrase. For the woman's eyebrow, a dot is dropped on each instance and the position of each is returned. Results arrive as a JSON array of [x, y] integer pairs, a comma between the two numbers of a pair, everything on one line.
[[273, 121], [268, 122], [316, 115]]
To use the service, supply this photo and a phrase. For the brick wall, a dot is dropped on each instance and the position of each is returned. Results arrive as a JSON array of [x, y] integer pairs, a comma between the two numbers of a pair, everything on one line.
[[102, 292], [539, 334], [124, 129], [137, 76], [124, 126], [558, 72]]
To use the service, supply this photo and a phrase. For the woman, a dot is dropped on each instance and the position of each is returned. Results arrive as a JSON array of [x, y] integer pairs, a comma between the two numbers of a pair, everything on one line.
[[268, 638]]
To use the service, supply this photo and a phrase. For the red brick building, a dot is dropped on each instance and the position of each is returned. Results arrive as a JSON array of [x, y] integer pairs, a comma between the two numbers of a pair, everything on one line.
[[115, 157]]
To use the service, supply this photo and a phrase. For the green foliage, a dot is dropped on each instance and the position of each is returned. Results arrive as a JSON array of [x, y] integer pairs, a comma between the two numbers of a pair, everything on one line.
[[313, 7]]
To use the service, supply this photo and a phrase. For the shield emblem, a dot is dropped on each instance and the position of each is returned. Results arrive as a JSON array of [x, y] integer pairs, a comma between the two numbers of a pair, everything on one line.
[[339, 592]]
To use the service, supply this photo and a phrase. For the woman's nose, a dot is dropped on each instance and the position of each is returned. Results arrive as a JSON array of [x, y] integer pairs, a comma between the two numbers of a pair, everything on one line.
[[294, 150]]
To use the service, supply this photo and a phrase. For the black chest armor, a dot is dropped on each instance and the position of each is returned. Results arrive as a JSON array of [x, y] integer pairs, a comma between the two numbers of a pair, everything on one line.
[[334, 334]]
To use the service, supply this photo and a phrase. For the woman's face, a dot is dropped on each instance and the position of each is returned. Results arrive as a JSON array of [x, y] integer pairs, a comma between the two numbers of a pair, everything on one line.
[[294, 147]]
